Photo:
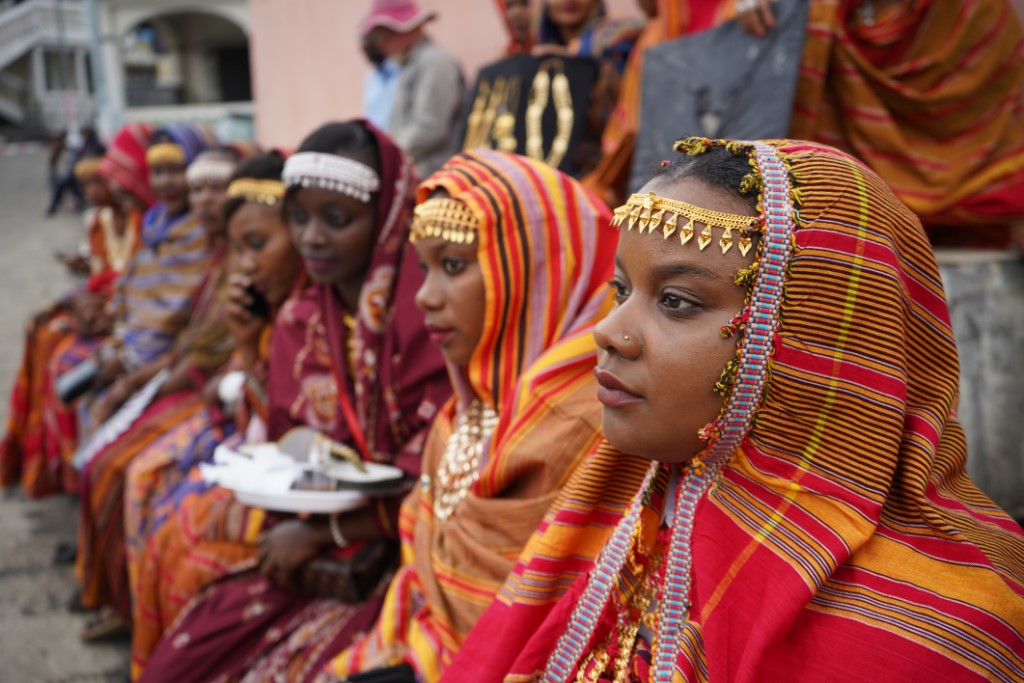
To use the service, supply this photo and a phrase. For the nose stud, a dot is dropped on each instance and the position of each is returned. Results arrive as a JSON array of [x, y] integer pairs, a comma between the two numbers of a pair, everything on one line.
[[625, 337]]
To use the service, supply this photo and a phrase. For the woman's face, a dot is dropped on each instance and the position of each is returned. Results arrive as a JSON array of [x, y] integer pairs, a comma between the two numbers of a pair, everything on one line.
[[95, 190], [517, 15], [570, 13], [207, 198], [263, 250], [660, 351], [169, 185], [334, 233], [452, 297]]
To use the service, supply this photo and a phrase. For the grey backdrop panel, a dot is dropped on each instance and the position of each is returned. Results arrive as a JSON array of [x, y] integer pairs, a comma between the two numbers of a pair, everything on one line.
[[720, 83]]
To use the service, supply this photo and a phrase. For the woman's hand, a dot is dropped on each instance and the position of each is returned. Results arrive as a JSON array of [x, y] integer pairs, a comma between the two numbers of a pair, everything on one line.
[[110, 369], [755, 16], [105, 406], [284, 548], [245, 327]]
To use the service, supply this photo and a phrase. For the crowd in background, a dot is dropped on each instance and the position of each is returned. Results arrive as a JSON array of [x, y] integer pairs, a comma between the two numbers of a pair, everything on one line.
[[739, 462]]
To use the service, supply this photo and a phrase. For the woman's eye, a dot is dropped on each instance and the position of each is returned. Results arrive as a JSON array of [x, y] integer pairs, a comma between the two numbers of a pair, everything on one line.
[[337, 219], [453, 266], [297, 216], [674, 302], [620, 291], [255, 244]]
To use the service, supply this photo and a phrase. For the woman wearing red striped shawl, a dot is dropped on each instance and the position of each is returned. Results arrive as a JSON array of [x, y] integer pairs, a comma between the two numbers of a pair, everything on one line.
[[517, 257], [821, 525], [41, 431]]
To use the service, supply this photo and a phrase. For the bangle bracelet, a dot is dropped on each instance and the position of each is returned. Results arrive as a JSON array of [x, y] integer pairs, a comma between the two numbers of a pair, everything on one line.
[[339, 538]]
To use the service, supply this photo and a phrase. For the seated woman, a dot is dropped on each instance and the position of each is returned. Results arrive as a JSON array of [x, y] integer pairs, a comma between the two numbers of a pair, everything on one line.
[[265, 264], [40, 430], [517, 258], [782, 495], [203, 346], [349, 357]]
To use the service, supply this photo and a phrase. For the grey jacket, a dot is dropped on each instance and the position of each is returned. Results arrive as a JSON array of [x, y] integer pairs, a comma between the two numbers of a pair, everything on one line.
[[428, 105]]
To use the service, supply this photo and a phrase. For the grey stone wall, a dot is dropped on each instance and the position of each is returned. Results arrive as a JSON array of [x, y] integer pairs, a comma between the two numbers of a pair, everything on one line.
[[985, 292]]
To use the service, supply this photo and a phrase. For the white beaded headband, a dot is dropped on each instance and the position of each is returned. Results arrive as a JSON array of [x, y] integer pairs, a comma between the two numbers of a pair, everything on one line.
[[209, 171], [331, 172]]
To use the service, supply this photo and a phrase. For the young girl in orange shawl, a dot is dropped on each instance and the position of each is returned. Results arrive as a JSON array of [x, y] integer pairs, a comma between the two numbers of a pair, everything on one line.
[[517, 256], [782, 494]]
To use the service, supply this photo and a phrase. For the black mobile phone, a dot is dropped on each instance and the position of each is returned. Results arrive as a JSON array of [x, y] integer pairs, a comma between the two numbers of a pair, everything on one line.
[[259, 306]]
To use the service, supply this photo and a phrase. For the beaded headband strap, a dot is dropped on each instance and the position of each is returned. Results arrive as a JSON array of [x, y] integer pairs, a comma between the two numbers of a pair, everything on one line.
[[650, 211], [87, 167], [209, 171], [165, 153], [443, 217], [331, 172], [257, 190]]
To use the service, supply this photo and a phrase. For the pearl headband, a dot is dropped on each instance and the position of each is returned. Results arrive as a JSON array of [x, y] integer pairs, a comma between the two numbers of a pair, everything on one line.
[[331, 172], [209, 171]]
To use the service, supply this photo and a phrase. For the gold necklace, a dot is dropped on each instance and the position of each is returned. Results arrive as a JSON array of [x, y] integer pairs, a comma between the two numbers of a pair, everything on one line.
[[503, 131], [558, 87], [460, 465], [473, 122], [119, 247]]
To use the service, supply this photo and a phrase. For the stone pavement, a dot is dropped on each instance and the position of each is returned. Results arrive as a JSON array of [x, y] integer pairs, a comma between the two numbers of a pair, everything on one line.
[[38, 637]]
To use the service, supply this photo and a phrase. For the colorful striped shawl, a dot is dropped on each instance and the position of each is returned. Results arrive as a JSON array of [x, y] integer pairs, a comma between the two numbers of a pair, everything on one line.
[[928, 94], [546, 253], [840, 538]]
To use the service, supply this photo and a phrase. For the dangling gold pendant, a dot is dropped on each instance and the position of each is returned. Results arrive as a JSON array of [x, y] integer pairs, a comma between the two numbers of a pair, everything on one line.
[[686, 232], [705, 238], [745, 244], [726, 242], [670, 225]]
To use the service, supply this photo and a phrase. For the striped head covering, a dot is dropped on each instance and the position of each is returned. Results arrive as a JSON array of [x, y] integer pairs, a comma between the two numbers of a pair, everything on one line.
[[829, 530], [546, 252], [125, 161], [193, 139]]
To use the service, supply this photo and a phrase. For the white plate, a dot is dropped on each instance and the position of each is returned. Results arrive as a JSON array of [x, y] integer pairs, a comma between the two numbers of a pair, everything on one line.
[[375, 475], [313, 502]]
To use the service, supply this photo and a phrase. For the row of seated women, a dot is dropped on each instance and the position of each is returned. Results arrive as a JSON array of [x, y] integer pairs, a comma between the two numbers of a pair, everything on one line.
[[738, 462]]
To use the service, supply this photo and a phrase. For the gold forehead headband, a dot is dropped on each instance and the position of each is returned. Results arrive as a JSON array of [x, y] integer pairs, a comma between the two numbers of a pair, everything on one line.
[[259, 191], [87, 167], [449, 219], [165, 153], [650, 211]]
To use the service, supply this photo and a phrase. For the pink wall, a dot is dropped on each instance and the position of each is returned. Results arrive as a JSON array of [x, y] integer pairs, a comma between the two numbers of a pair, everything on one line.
[[308, 69]]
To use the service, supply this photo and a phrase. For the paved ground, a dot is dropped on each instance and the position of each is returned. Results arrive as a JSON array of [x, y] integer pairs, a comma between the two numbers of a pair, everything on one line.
[[38, 637]]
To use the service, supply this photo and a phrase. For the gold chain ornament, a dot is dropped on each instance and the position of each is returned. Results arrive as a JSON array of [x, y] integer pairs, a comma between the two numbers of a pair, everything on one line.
[[650, 211]]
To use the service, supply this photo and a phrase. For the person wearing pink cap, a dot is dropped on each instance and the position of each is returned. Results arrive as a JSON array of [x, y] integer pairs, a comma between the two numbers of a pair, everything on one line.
[[430, 89]]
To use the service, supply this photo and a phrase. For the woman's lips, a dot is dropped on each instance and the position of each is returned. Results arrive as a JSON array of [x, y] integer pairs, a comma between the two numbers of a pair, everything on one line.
[[612, 392], [438, 335], [318, 263]]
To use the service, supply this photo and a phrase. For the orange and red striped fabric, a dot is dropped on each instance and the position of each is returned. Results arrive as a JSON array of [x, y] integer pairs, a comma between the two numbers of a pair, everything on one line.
[[842, 540], [546, 251], [930, 95]]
